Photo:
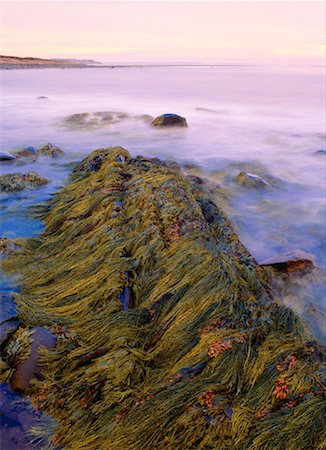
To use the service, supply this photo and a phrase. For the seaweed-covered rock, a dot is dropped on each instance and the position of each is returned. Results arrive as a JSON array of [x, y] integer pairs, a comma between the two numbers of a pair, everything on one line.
[[293, 261], [5, 156], [51, 150], [169, 120], [163, 317], [14, 182], [27, 154], [251, 181]]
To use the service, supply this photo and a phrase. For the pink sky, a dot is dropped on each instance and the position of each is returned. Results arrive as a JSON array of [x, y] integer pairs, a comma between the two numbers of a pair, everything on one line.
[[232, 31]]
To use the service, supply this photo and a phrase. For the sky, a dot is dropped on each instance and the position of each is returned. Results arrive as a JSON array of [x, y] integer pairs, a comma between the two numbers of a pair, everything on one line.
[[169, 31]]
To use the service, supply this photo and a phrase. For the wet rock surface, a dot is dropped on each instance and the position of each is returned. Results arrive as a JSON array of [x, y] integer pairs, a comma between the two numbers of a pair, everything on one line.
[[5, 156], [7, 329], [169, 120], [293, 261], [15, 182]]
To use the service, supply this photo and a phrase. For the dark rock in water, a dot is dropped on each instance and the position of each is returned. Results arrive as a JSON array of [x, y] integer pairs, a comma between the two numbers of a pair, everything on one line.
[[42, 97], [30, 368], [169, 120], [5, 156], [14, 182], [8, 328], [295, 261], [251, 181], [28, 154], [320, 152], [8, 310], [51, 150]]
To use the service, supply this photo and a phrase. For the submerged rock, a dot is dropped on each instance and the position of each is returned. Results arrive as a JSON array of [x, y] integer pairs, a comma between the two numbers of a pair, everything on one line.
[[251, 181], [51, 150], [293, 262], [15, 182], [320, 152], [100, 119], [200, 348], [5, 156], [169, 120]]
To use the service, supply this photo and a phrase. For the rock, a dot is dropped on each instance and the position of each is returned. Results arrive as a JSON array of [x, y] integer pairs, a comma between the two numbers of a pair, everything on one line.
[[8, 310], [30, 368], [8, 246], [5, 156], [251, 181], [28, 154], [294, 261], [320, 152], [169, 120], [100, 119], [51, 150], [15, 182], [8, 328], [42, 97]]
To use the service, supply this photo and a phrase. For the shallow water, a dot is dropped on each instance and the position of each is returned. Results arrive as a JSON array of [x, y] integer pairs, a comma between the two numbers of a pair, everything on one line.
[[271, 118]]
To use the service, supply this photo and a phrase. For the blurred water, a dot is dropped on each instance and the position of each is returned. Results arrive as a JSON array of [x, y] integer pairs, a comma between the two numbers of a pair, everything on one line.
[[272, 118]]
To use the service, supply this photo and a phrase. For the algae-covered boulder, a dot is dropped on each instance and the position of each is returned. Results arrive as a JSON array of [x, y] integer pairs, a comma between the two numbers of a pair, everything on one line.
[[100, 119], [169, 120], [14, 182], [168, 337], [51, 151]]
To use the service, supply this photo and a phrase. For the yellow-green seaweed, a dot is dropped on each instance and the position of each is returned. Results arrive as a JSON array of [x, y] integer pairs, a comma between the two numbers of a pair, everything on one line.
[[168, 335]]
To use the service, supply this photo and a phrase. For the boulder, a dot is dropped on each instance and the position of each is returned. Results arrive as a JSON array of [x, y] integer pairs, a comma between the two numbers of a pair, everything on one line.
[[169, 120], [251, 181], [51, 150], [8, 328], [5, 156], [15, 182], [320, 152], [294, 261], [28, 154]]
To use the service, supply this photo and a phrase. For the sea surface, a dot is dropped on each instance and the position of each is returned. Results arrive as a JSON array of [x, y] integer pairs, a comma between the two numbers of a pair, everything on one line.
[[266, 120]]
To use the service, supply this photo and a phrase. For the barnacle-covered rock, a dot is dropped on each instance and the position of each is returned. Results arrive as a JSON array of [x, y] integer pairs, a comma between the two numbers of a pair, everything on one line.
[[27, 154], [15, 182], [251, 181], [162, 317]]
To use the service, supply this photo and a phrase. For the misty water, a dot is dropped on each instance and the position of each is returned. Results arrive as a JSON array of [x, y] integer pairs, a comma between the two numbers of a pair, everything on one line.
[[269, 121]]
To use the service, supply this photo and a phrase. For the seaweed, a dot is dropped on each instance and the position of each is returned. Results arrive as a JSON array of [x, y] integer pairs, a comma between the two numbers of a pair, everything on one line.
[[168, 336]]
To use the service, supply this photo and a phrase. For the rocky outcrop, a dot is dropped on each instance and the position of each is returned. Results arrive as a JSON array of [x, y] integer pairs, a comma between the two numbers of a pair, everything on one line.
[[162, 317], [169, 120], [15, 182]]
